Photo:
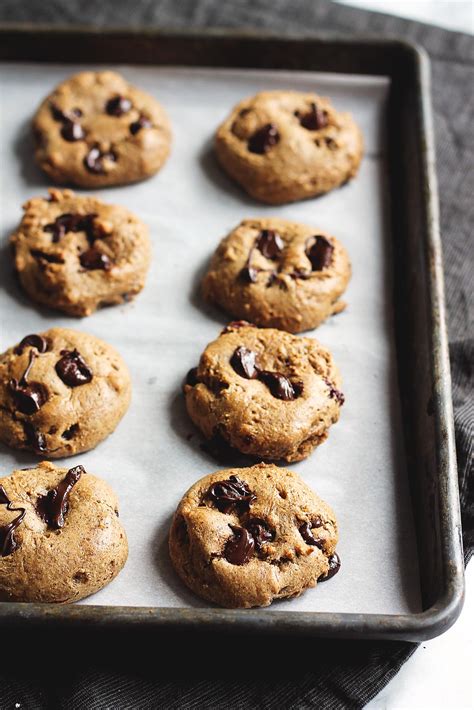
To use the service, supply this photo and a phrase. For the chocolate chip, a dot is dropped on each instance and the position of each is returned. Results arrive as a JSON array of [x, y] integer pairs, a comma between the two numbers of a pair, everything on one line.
[[269, 243], [264, 139], [308, 537], [334, 567], [314, 119], [95, 158], [72, 131], [32, 341], [240, 548], [72, 369], [319, 251], [72, 223], [64, 116], [34, 438], [53, 507], [279, 385], [230, 494], [260, 532], [8, 542], [336, 394], [71, 432], [93, 259], [243, 362], [142, 122], [191, 377], [118, 106]]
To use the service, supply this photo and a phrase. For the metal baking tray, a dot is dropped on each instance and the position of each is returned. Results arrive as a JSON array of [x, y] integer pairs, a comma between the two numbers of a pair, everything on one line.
[[419, 322]]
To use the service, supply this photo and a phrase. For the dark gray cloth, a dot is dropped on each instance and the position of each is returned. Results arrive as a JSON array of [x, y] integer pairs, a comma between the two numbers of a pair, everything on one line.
[[171, 672]]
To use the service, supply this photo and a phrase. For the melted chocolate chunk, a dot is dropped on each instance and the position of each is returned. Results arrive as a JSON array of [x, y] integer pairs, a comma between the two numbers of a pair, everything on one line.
[[143, 122], [334, 567], [93, 260], [118, 106], [191, 377], [65, 116], [230, 494], [319, 252], [71, 432], [72, 369], [314, 119], [279, 385], [305, 531], [32, 341], [336, 394], [54, 505], [239, 548], [8, 543], [263, 139], [35, 438], [243, 362], [72, 131], [260, 532], [94, 160], [250, 273], [269, 243], [29, 397], [72, 223]]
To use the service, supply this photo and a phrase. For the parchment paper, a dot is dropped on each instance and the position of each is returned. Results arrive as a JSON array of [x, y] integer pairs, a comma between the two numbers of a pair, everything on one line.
[[150, 460]]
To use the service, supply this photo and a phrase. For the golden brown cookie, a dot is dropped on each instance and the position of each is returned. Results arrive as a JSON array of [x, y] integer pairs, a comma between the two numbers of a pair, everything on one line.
[[282, 146], [61, 392], [96, 129], [77, 254], [265, 392], [60, 536], [278, 274], [246, 536]]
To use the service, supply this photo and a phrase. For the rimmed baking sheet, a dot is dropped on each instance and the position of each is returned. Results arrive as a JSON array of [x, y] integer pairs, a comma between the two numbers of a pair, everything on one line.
[[151, 460]]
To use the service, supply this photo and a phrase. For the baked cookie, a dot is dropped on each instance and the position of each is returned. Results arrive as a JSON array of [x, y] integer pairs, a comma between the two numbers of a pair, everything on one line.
[[243, 537], [96, 129], [264, 392], [60, 536], [278, 274], [282, 146], [61, 392], [78, 253]]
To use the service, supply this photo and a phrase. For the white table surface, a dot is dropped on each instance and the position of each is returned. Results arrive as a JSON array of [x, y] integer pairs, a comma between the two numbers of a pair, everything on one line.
[[440, 674]]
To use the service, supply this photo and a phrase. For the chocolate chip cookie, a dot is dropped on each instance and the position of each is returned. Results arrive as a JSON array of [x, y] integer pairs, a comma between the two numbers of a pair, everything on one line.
[[278, 274], [264, 392], [246, 536], [282, 146], [61, 392], [96, 129], [76, 254], [60, 536]]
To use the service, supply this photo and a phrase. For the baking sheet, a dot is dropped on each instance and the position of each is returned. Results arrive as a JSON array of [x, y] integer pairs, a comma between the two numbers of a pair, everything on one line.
[[151, 460]]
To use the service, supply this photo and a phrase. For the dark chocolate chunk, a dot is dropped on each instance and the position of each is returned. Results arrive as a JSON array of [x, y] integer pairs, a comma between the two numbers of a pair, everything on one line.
[[240, 548], [279, 385], [54, 505], [336, 394], [314, 119], [260, 531], [249, 273], [65, 116], [72, 131], [143, 122], [230, 494], [319, 251], [263, 139], [93, 260], [34, 438], [29, 397], [243, 362], [72, 369], [32, 341], [118, 105], [334, 567], [94, 160], [307, 535], [72, 223], [8, 542], [269, 243], [45, 256], [191, 377], [71, 432]]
